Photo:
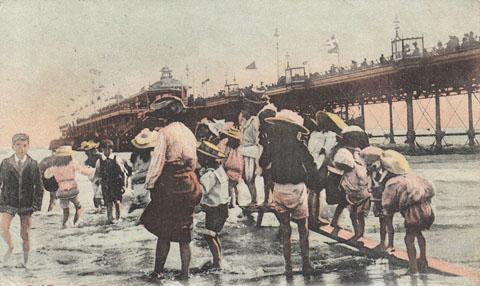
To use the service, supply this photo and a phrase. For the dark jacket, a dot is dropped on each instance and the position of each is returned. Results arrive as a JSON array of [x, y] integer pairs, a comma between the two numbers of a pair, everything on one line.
[[21, 188], [291, 162]]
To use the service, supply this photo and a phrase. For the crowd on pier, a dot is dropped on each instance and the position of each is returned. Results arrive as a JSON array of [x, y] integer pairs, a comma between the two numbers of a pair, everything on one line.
[[175, 172]]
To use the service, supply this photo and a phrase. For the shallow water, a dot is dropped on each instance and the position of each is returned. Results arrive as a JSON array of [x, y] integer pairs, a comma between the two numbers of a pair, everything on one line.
[[122, 254]]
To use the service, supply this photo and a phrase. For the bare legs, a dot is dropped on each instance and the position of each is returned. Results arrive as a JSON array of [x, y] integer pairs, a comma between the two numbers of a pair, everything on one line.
[[5, 221], [117, 210], [25, 225], [66, 215], [286, 232], [163, 247], [215, 249], [415, 265]]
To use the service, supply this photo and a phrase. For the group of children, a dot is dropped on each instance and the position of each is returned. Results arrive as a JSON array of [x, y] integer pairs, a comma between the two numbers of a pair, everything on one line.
[[297, 165]]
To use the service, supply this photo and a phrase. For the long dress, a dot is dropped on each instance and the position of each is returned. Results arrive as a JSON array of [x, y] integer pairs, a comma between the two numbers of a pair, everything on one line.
[[175, 189]]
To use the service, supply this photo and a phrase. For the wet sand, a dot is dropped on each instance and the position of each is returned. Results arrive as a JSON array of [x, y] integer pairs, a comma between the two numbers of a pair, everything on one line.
[[94, 253]]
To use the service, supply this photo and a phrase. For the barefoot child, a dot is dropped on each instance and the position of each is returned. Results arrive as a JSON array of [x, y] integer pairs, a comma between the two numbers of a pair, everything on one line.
[[90, 148], [215, 199], [410, 195], [371, 156], [64, 171], [292, 169], [233, 163], [109, 169], [21, 193]]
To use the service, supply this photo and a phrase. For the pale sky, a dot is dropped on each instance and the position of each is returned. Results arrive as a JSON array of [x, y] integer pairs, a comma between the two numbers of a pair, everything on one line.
[[48, 47]]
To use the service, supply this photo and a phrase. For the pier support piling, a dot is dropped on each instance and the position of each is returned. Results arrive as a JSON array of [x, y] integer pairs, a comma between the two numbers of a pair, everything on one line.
[[390, 112], [410, 122], [439, 134], [471, 129]]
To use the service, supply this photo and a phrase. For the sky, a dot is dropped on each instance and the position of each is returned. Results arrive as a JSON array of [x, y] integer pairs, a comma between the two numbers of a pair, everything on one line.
[[48, 48]]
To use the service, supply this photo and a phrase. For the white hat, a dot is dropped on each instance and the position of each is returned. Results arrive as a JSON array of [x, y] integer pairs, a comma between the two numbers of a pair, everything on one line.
[[289, 118], [342, 157]]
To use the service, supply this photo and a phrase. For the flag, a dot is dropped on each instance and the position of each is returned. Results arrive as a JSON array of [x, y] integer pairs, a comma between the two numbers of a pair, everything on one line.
[[333, 44], [72, 99], [251, 66], [205, 81], [305, 63]]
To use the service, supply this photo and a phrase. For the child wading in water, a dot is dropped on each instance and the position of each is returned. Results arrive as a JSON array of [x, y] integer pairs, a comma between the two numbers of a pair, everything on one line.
[[356, 184], [21, 193], [233, 164], [410, 195], [215, 200], [64, 171], [109, 169]]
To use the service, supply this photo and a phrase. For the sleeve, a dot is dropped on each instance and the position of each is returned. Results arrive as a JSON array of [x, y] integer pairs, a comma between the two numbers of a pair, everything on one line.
[[2, 175], [38, 189], [207, 181], [49, 172], [265, 158], [87, 171], [313, 176], [390, 199], [96, 176], [157, 162]]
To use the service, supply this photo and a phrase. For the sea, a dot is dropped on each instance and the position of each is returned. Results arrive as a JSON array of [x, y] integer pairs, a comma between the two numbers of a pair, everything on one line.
[[95, 253]]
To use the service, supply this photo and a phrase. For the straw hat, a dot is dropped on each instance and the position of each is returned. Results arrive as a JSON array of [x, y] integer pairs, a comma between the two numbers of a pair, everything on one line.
[[83, 145], [90, 145], [335, 119], [371, 154], [343, 157], [290, 119], [209, 149], [232, 132], [352, 128], [145, 139], [64, 151], [395, 162]]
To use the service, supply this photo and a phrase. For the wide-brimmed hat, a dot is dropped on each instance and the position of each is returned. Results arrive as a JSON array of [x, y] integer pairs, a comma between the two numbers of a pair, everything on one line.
[[289, 119], [165, 103], [209, 149], [371, 154], [395, 162], [90, 145], [342, 157], [232, 133], [335, 119], [145, 139], [83, 145], [65, 150], [352, 128]]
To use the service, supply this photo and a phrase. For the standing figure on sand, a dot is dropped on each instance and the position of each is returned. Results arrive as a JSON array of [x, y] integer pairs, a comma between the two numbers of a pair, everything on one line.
[[292, 168], [64, 170], [174, 186], [21, 193]]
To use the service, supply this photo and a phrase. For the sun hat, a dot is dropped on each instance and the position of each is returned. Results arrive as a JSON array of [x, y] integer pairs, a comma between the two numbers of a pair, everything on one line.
[[343, 157], [352, 128], [335, 119], [166, 102], [289, 119], [145, 139], [232, 133], [91, 145], [209, 149], [83, 145], [395, 162], [371, 154], [65, 150]]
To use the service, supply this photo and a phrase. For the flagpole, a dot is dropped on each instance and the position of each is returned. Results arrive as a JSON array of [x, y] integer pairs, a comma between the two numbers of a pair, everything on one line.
[[276, 35]]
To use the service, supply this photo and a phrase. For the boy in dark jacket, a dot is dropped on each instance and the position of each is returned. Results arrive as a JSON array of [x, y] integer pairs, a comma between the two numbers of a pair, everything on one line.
[[292, 170], [109, 170], [21, 193]]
